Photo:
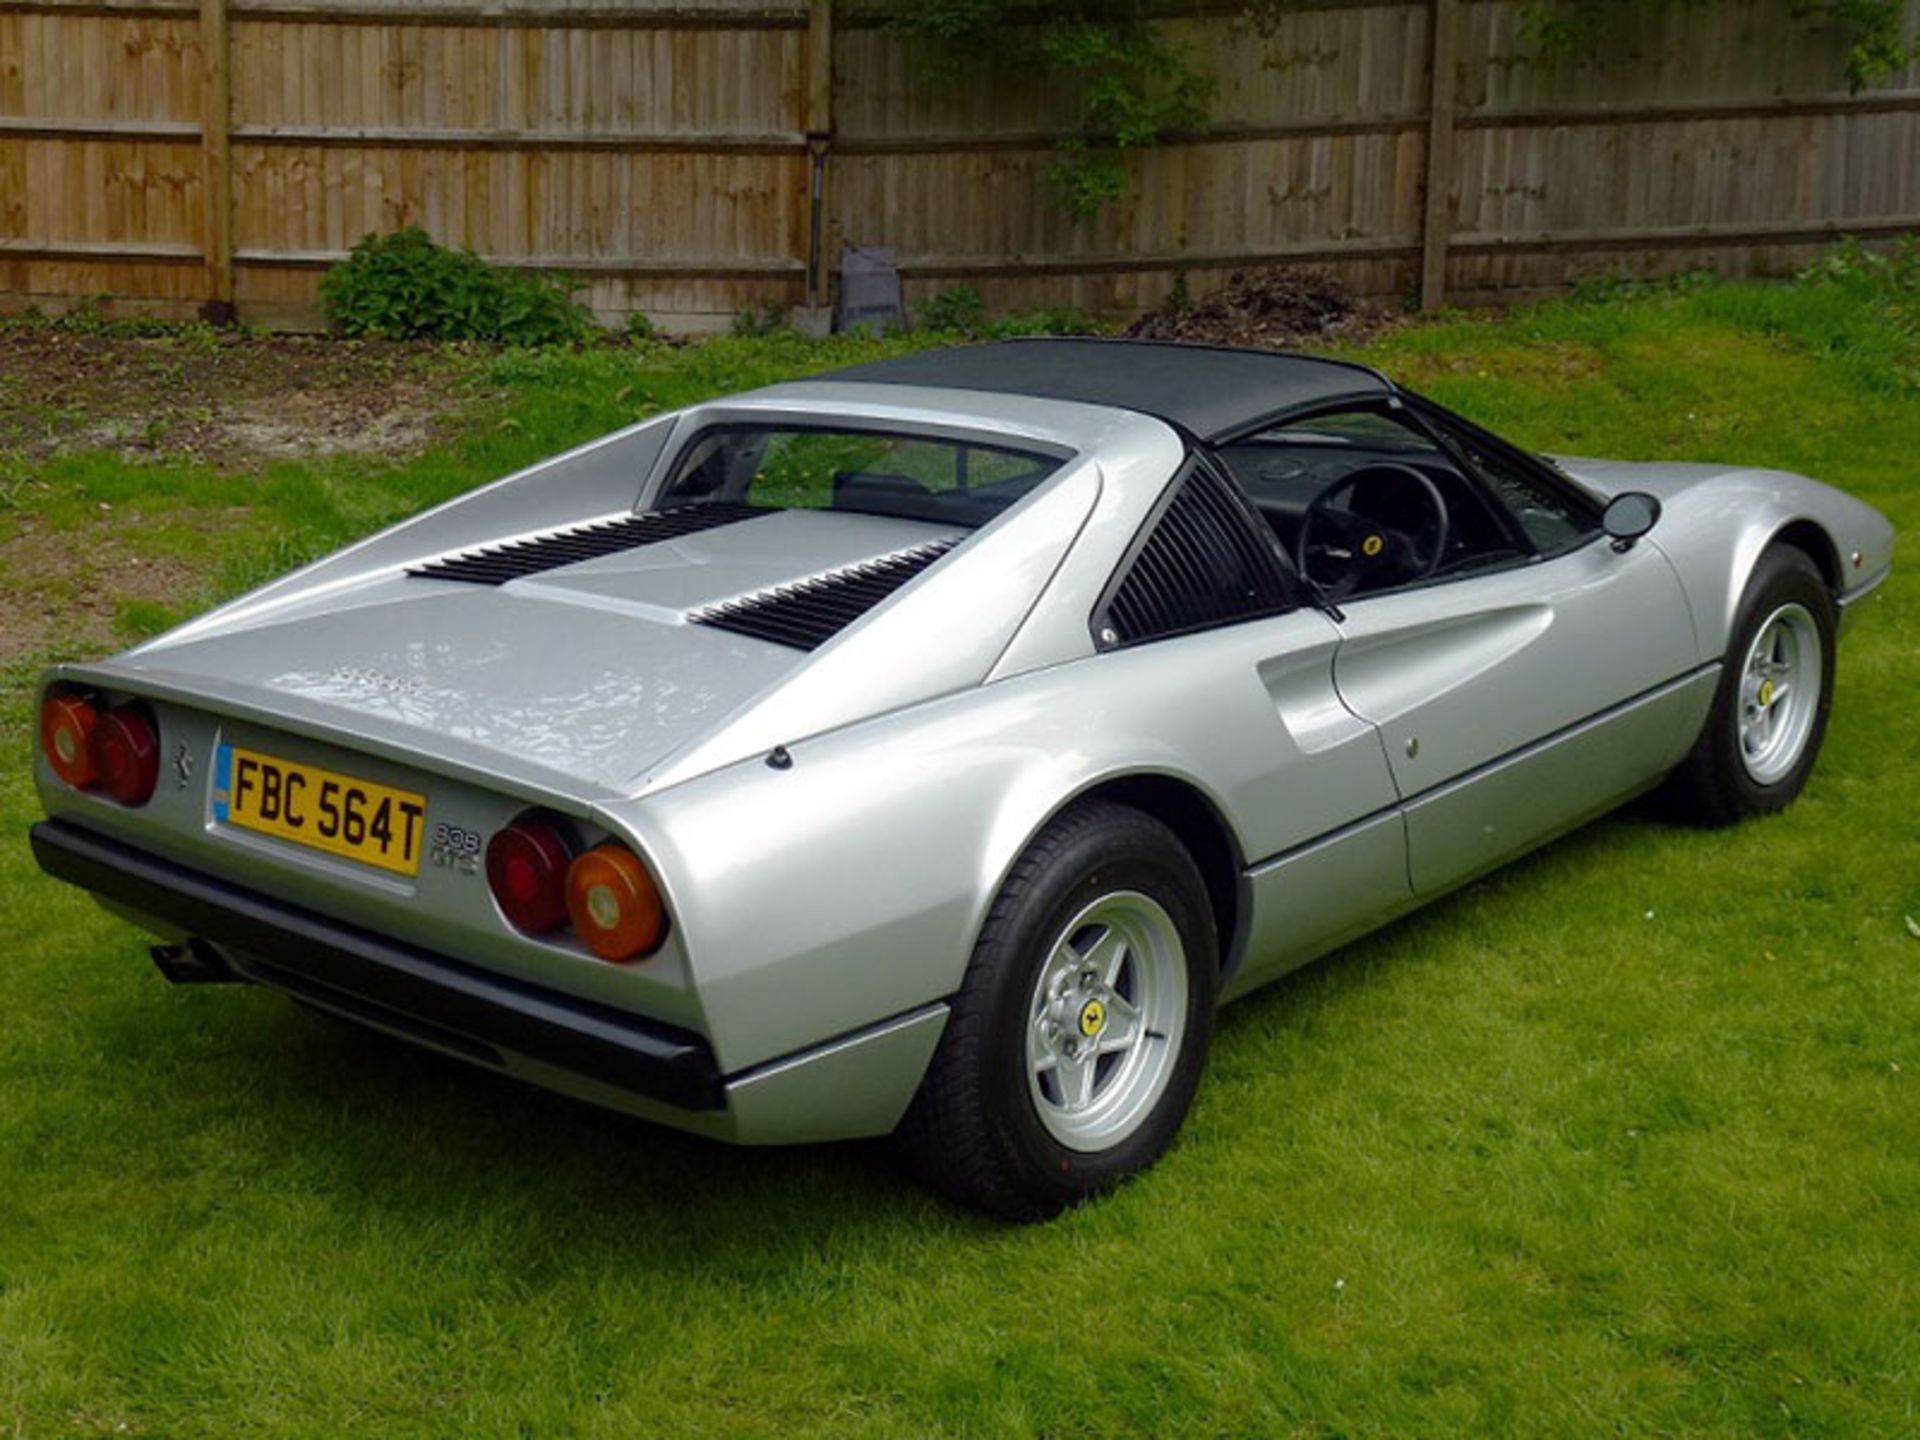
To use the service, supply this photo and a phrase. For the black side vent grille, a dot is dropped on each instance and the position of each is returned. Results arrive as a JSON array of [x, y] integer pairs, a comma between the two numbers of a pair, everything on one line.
[[1202, 564], [497, 564], [808, 614]]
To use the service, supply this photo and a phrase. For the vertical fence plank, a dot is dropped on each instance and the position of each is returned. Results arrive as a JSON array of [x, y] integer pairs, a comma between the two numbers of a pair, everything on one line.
[[216, 157], [1437, 226]]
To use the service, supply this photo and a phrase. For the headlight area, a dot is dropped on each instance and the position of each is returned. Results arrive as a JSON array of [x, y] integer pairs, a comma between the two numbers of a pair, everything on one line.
[[547, 881], [96, 744]]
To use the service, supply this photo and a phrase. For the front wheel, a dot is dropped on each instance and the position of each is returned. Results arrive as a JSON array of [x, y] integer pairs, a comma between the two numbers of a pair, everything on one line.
[[1769, 713], [1079, 1034]]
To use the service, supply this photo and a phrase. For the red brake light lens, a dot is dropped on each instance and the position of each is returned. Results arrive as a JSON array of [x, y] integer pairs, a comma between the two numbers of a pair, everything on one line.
[[614, 905], [126, 754], [527, 872], [66, 737]]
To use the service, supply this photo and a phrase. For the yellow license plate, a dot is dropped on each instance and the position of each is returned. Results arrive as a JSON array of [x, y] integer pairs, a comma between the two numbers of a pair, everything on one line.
[[374, 824]]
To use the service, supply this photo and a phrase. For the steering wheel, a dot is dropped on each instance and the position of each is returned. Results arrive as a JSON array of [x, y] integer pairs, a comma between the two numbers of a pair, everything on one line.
[[1346, 553]]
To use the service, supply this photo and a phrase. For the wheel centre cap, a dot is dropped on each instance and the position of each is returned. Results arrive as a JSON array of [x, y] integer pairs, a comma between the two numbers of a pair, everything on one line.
[[1093, 1018], [1766, 692]]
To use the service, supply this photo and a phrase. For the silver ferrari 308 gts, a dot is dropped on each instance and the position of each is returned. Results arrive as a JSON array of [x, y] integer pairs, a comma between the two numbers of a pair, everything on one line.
[[927, 749]]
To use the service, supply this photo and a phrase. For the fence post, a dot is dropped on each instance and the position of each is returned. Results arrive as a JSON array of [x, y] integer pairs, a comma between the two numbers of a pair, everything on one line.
[[216, 159], [819, 147], [1437, 224]]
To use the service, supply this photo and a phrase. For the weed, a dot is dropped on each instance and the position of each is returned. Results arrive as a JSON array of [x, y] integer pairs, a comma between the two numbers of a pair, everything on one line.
[[760, 321], [956, 310]]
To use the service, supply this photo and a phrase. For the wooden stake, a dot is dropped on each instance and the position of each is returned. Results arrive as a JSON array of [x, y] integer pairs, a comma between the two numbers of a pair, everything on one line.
[[819, 147], [216, 158]]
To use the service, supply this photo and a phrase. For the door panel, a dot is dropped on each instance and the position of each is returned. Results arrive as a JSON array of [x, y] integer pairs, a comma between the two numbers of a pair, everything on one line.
[[1468, 672], [1463, 829], [1309, 901]]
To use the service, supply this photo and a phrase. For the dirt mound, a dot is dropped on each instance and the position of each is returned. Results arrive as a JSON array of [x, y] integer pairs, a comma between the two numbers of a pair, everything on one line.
[[1271, 308]]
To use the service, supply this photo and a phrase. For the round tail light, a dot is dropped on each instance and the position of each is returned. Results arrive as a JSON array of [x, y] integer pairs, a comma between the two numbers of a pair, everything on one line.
[[614, 904], [126, 754], [66, 737], [527, 872]]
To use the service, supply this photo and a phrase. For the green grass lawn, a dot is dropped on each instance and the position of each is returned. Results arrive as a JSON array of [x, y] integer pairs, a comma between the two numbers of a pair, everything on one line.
[[1624, 1140]]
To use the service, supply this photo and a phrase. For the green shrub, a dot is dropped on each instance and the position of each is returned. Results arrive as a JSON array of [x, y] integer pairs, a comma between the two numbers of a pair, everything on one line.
[[1612, 288], [1057, 320], [1890, 276], [956, 310], [404, 287], [759, 320]]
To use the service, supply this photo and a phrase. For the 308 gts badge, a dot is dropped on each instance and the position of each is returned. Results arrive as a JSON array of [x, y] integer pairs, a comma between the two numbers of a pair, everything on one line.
[[453, 848]]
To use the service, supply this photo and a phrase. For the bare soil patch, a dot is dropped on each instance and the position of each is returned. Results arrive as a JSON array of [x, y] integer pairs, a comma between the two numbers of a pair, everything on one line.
[[66, 587], [230, 400], [1275, 307]]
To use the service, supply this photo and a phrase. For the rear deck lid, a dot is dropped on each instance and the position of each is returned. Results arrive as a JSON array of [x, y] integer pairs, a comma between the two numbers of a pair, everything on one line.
[[596, 670]]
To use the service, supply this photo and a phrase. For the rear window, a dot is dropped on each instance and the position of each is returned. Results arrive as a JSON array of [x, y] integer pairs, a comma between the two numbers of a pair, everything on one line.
[[869, 472]]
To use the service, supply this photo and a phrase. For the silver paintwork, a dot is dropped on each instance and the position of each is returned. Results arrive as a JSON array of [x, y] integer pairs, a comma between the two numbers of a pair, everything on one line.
[[824, 913], [1716, 520], [1106, 1021]]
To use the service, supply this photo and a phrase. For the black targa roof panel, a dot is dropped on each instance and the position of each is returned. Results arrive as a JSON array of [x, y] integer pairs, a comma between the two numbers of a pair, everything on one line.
[[1212, 393]]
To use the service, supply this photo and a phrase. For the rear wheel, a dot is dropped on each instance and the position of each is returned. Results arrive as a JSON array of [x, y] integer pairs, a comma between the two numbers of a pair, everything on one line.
[[1769, 713], [1078, 1037]]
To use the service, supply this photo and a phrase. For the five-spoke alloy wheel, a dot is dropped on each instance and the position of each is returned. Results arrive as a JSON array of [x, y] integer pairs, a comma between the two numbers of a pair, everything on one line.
[[1110, 999], [1769, 714], [1780, 692], [1077, 1039]]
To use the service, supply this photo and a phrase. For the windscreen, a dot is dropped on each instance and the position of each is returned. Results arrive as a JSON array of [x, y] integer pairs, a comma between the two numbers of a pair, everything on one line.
[[867, 472]]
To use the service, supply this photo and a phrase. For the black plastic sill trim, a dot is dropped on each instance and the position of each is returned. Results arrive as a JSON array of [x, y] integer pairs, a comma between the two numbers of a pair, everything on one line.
[[644, 1057]]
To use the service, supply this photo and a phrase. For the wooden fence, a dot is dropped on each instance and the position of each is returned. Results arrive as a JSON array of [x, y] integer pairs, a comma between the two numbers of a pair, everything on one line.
[[696, 158]]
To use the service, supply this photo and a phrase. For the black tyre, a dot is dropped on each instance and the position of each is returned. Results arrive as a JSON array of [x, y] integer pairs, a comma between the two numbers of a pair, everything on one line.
[[1081, 1029], [1769, 713]]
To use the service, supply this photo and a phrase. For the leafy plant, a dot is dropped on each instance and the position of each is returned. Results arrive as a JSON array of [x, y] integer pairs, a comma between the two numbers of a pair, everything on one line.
[[403, 286], [1612, 288], [1135, 84], [956, 310], [1057, 320], [1876, 44], [758, 320], [1890, 276]]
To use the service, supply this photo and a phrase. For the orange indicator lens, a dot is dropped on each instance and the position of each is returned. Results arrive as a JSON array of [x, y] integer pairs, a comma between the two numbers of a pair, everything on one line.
[[614, 904]]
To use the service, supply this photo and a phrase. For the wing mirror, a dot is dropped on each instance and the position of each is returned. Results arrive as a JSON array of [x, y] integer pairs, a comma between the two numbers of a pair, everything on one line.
[[1628, 516]]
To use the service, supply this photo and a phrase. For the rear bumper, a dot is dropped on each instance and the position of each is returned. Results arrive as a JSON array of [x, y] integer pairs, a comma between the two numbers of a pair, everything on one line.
[[426, 996], [847, 1087]]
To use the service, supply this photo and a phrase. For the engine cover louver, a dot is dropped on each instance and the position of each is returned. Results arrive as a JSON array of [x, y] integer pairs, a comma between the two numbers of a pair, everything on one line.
[[497, 564], [807, 614], [1201, 564]]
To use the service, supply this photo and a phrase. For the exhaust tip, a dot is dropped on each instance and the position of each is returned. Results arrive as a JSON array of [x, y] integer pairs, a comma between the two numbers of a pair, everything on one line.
[[195, 963]]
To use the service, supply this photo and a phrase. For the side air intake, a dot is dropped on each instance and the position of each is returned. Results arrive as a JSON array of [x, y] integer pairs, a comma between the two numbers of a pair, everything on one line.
[[1202, 564], [497, 564], [808, 614]]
